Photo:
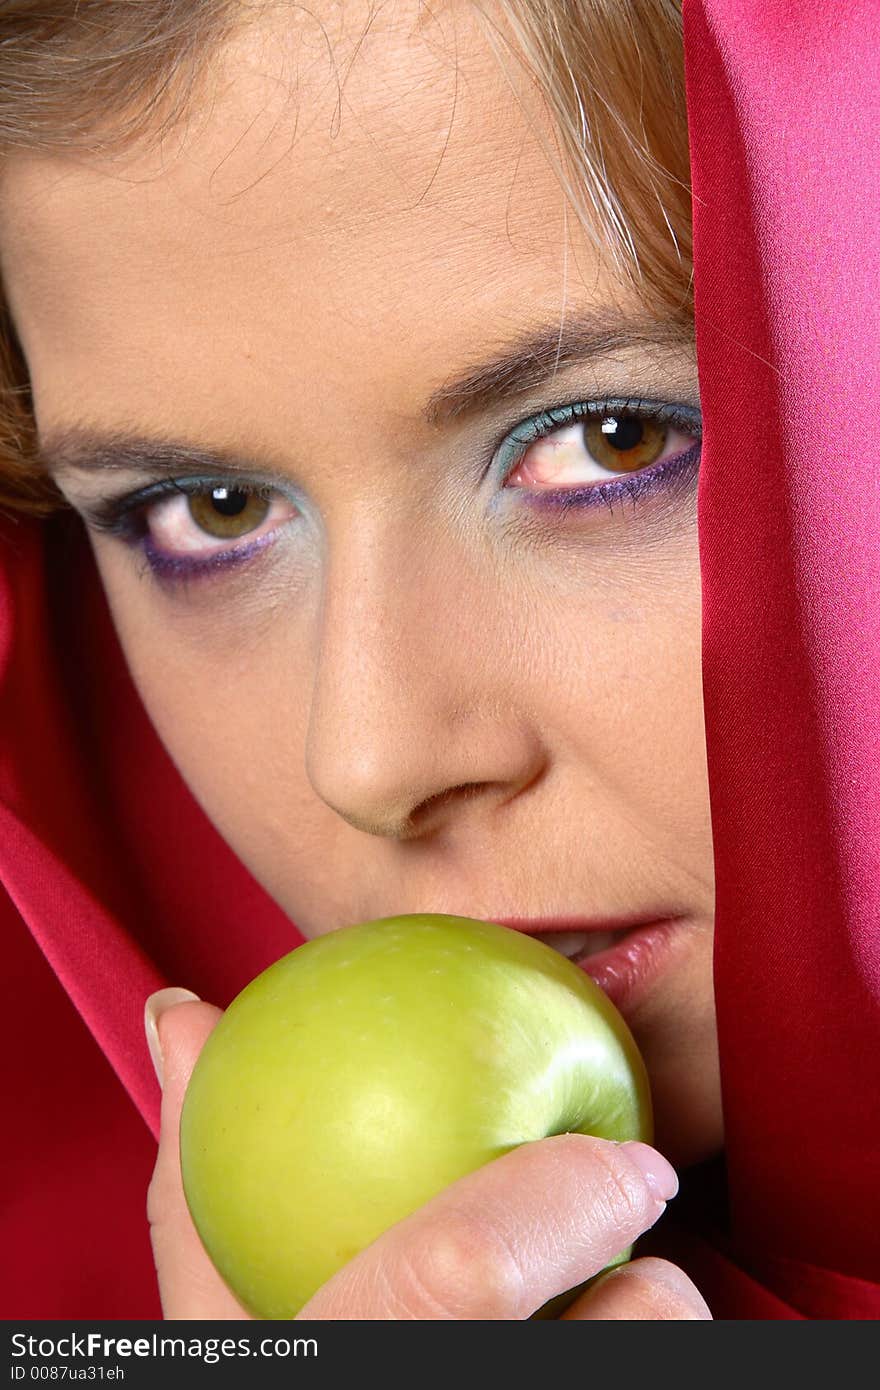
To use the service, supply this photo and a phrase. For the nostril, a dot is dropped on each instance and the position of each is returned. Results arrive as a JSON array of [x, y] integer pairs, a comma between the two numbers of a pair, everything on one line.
[[465, 791]]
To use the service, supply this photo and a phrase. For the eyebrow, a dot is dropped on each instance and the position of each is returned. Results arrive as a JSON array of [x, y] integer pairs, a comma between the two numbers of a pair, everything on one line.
[[531, 360], [536, 356]]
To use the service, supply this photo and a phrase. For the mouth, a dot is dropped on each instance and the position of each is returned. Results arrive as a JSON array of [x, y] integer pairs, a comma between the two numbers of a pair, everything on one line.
[[623, 956], [580, 937]]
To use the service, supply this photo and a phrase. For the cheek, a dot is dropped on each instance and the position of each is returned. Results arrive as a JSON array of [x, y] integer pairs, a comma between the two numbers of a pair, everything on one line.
[[241, 754], [227, 686], [628, 696], [237, 740]]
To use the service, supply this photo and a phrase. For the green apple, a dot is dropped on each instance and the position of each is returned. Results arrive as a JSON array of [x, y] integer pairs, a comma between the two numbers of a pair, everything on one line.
[[370, 1068]]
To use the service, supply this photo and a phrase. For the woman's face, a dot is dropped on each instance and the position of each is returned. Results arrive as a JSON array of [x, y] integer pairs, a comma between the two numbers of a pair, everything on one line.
[[430, 685]]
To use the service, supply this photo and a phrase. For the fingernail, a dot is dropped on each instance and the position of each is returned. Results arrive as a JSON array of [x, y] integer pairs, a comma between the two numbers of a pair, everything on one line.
[[660, 1176], [155, 1006]]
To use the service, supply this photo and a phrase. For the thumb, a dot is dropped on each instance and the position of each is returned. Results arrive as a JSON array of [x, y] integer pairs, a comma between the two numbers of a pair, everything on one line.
[[177, 1025]]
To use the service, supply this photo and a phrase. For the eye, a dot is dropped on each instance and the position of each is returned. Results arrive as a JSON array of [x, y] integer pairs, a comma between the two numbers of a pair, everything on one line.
[[179, 517], [596, 452], [220, 512], [173, 523], [597, 448]]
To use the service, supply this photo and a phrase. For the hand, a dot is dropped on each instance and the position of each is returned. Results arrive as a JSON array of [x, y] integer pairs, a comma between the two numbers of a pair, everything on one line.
[[497, 1244]]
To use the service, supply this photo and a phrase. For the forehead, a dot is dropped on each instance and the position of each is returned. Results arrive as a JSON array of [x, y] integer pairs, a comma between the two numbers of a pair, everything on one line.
[[356, 183]]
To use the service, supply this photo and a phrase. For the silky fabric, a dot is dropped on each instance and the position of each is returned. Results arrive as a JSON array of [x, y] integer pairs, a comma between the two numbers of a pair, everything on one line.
[[784, 113], [113, 882]]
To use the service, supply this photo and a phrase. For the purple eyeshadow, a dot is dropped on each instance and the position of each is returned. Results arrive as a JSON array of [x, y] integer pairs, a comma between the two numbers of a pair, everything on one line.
[[676, 475], [173, 569]]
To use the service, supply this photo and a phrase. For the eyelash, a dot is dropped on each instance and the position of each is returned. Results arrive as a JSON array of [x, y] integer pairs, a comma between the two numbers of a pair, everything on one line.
[[126, 517], [676, 472]]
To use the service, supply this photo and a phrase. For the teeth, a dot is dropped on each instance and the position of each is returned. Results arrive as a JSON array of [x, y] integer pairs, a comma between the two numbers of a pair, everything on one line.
[[575, 944], [567, 943]]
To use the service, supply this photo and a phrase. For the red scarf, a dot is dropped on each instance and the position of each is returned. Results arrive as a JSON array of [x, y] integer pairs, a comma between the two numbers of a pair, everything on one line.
[[113, 882]]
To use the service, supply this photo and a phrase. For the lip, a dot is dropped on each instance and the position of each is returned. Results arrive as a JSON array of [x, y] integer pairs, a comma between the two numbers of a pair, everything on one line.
[[627, 970], [537, 926]]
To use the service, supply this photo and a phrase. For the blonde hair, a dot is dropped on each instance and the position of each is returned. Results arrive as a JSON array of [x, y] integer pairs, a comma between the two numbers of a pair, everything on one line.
[[103, 74]]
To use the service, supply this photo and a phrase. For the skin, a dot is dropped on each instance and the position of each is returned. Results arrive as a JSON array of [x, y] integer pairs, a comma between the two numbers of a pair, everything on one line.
[[293, 287]]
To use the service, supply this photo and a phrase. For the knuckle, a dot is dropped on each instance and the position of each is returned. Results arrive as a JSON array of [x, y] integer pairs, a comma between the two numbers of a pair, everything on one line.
[[656, 1289], [162, 1189], [157, 1223], [622, 1191], [162, 1201], [459, 1269], [155, 1203]]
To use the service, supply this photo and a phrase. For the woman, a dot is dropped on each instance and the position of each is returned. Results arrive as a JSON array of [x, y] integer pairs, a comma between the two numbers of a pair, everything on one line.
[[343, 373]]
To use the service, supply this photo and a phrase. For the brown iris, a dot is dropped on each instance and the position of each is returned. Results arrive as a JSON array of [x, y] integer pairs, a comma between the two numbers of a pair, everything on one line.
[[625, 442], [228, 513]]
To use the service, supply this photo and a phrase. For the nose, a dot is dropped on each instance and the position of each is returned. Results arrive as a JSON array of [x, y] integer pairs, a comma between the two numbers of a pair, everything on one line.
[[415, 718]]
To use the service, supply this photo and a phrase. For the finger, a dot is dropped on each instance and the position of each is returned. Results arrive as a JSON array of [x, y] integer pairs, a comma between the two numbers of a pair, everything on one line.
[[503, 1240], [641, 1291], [189, 1285]]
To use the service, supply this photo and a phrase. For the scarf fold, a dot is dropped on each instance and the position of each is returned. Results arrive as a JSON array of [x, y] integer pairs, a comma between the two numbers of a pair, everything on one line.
[[783, 102]]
